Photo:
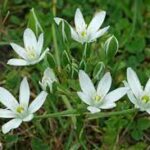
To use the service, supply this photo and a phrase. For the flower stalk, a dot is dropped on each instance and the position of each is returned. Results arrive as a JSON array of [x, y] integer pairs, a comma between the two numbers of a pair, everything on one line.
[[85, 51], [75, 112], [57, 56]]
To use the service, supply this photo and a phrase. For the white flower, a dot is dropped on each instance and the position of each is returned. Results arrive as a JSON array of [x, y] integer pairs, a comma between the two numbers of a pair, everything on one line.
[[99, 98], [48, 79], [32, 51], [137, 94], [83, 33], [21, 111]]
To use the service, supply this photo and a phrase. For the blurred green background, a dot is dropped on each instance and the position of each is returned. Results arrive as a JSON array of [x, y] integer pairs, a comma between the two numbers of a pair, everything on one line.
[[129, 21]]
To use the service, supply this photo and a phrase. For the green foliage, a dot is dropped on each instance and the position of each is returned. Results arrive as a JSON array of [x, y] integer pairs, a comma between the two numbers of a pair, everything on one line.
[[129, 23], [38, 144]]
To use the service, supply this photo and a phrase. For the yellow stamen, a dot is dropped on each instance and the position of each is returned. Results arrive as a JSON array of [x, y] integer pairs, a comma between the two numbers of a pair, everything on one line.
[[83, 33], [30, 52], [146, 98], [97, 98], [20, 109]]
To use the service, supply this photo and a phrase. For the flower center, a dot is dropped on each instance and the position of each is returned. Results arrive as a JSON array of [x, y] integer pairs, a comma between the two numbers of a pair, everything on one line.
[[97, 98], [83, 33], [20, 109], [31, 53], [146, 98]]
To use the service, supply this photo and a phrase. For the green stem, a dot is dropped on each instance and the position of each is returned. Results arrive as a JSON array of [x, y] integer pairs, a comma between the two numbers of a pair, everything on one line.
[[57, 56], [58, 114], [85, 51], [108, 114], [84, 55], [68, 105], [75, 112]]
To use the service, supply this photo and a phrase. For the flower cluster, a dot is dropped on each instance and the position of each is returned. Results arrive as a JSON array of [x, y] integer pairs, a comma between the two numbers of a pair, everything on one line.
[[96, 98]]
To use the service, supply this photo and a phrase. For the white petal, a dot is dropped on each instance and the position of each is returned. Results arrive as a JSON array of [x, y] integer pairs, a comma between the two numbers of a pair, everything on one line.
[[84, 97], [29, 39], [86, 83], [98, 34], [40, 43], [43, 54], [96, 22], [131, 96], [24, 93], [79, 21], [134, 82], [104, 84], [17, 62], [147, 87], [19, 50], [115, 95], [5, 113], [107, 105], [93, 109], [7, 99], [28, 118], [148, 111], [49, 73], [74, 35], [12, 124], [38, 102], [133, 99]]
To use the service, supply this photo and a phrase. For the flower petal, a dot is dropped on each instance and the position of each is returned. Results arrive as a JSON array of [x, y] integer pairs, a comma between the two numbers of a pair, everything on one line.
[[74, 35], [19, 50], [28, 118], [40, 43], [5, 113], [96, 22], [38, 102], [79, 21], [98, 34], [147, 87], [134, 82], [17, 62], [131, 96], [24, 93], [84, 97], [104, 84], [107, 105], [49, 73], [115, 95], [12, 124], [93, 109], [43, 54], [86, 83], [148, 111], [29, 39], [7, 99]]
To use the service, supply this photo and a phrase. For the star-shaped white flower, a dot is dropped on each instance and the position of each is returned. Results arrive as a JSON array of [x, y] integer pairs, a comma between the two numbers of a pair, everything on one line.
[[83, 33], [48, 79], [21, 111], [99, 98], [137, 94], [32, 51]]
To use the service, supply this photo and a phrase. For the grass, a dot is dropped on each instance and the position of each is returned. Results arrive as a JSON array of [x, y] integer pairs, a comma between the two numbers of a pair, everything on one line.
[[63, 122]]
